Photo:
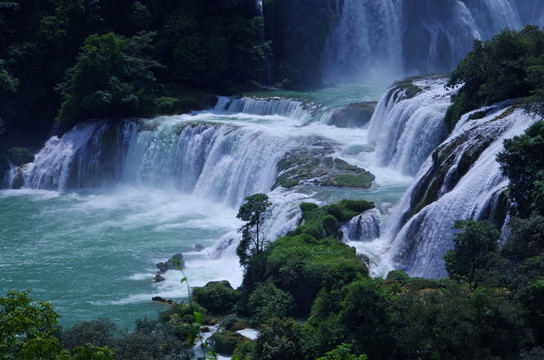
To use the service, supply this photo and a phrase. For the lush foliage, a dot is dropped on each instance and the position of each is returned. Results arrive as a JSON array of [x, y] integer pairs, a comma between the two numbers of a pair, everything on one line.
[[217, 297], [522, 162], [511, 65], [128, 57], [473, 246], [28, 331], [297, 262]]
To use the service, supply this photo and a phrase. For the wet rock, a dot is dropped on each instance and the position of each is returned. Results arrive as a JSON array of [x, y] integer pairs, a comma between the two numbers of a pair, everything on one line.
[[354, 115], [199, 247], [158, 277], [18, 178], [170, 265], [315, 166], [163, 300]]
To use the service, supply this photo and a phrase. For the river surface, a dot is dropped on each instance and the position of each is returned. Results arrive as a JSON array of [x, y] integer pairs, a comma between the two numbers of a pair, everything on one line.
[[92, 252]]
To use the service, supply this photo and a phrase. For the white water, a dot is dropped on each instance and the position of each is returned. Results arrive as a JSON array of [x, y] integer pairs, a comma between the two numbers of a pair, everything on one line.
[[420, 244], [406, 131], [394, 38], [364, 227], [107, 201]]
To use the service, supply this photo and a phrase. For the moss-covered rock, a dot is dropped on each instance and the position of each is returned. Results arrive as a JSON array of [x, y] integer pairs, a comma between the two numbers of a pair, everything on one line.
[[233, 323], [315, 166], [20, 156], [410, 90], [218, 297]]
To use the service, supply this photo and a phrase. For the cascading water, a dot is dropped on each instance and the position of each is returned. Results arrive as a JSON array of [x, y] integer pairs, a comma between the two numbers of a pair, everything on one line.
[[265, 106], [407, 37], [118, 197], [365, 41], [406, 130], [461, 180], [364, 227]]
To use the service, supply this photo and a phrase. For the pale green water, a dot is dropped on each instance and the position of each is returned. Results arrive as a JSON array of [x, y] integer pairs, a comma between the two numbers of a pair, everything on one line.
[[331, 96], [93, 253]]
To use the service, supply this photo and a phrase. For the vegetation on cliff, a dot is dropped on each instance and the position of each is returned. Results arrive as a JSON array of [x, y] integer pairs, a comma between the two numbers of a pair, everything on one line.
[[509, 66]]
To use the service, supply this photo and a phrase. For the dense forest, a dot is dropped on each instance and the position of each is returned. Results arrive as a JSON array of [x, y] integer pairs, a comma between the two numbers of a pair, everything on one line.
[[74, 60], [308, 293]]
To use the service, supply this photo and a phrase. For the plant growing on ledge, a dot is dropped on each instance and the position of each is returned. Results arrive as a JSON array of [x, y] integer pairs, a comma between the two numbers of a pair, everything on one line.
[[254, 211]]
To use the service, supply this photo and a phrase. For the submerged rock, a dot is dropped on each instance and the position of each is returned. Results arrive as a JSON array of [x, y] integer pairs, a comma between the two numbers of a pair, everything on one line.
[[17, 178], [163, 300], [316, 167]]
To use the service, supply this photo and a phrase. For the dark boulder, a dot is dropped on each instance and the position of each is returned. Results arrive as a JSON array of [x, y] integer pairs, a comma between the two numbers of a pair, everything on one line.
[[170, 265], [20, 156], [353, 115]]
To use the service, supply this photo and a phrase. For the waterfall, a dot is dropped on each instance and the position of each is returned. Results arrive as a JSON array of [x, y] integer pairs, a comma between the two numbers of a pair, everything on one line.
[[461, 180], [219, 161], [364, 227], [365, 40], [406, 130], [408, 37], [89, 155], [264, 106]]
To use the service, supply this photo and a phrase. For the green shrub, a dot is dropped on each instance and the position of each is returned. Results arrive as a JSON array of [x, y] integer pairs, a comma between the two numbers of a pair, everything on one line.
[[267, 301], [244, 350], [330, 225], [279, 339], [216, 296], [225, 342]]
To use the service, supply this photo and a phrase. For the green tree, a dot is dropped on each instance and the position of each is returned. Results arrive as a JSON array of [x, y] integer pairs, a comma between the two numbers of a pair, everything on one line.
[[279, 339], [522, 162], [342, 352], [254, 211], [113, 76], [27, 331], [472, 246]]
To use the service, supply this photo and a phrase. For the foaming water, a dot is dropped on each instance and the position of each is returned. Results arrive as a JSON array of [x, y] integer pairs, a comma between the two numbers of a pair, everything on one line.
[[93, 218]]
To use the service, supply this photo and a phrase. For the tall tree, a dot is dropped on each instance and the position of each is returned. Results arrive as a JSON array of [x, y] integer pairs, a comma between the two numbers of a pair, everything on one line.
[[254, 211], [471, 247]]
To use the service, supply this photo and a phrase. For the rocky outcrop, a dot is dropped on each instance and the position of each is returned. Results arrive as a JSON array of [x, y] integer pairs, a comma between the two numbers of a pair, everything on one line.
[[315, 166], [354, 115], [170, 264], [20, 156], [163, 300]]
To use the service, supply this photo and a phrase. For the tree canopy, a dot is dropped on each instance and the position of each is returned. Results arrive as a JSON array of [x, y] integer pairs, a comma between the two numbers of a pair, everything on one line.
[[472, 245], [522, 161], [511, 65]]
